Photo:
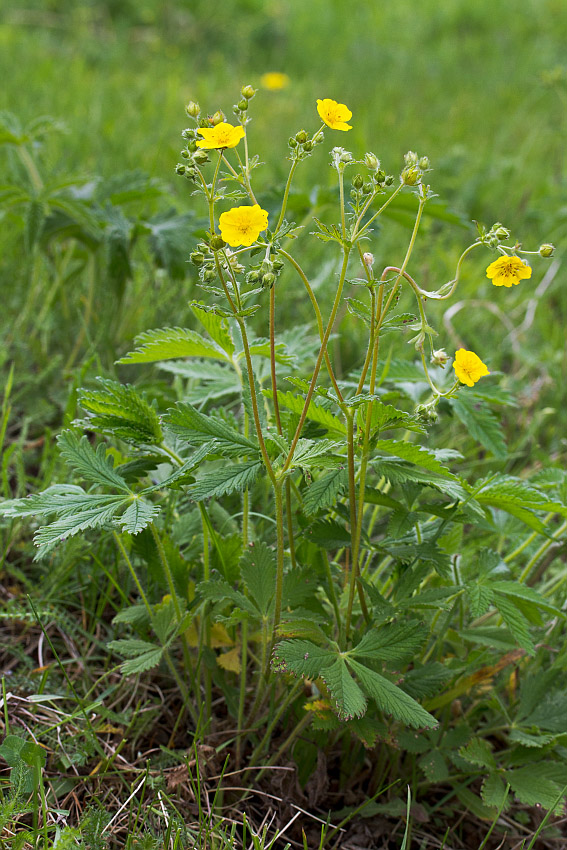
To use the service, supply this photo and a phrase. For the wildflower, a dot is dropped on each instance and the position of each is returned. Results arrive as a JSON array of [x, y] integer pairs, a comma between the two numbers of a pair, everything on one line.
[[243, 225], [335, 115], [506, 271], [468, 367], [274, 80], [221, 136]]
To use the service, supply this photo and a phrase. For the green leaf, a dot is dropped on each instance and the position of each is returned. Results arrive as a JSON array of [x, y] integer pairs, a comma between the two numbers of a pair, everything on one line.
[[187, 423], [522, 592], [315, 412], [260, 347], [481, 424], [349, 701], [136, 517], [515, 621], [258, 572], [396, 642], [218, 591], [143, 655], [414, 454], [94, 466], [216, 327], [220, 482], [532, 787], [398, 472], [119, 410], [302, 658], [493, 791], [73, 523], [479, 752], [323, 492], [392, 700], [170, 343], [480, 597], [516, 497], [35, 219], [385, 417], [169, 233]]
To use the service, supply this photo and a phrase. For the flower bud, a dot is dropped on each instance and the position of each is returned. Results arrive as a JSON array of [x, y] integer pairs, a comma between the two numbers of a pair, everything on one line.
[[371, 161], [268, 280], [192, 145], [346, 156], [440, 358], [500, 231], [180, 168], [546, 250], [209, 275], [253, 277], [292, 142], [308, 146], [216, 242], [197, 258], [185, 154], [248, 92], [367, 187], [217, 118], [423, 163], [190, 173], [243, 105], [301, 137], [411, 176], [193, 109], [200, 157], [368, 259], [357, 181], [410, 158], [277, 265], [189, 133], [389, 180]]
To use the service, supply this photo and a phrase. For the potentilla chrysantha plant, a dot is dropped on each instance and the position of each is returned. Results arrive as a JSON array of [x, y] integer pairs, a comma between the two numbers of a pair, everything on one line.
[[342, 569]]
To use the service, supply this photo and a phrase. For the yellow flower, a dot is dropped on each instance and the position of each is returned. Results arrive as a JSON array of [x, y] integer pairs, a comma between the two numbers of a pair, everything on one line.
[[506, 271], [243, 225], [468, 367], [274, 80], [222, 136], [335, 115]]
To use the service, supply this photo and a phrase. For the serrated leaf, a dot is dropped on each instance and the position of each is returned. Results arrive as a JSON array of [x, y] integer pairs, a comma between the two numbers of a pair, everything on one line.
[[348, 700], [169, 232], [392, 700], [481, 424], [258, 572], [479, 752], [414, 454], [221, 482], [434, 766], [396, 642], [118, 409], [315, 412], [171, 343], [218, 591], [92, 465], [515, 621], [260, 347], [522, 592], [398, 472], [385, 417], [531, 786], [516, 497], [480, 597], [493, 791], [187, 423], [71, 524], [136, 517], [216, 326], [426, 681], [323, 492]]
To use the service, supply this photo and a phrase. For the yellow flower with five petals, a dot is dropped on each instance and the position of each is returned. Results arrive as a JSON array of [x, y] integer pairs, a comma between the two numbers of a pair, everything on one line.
[[335, 115], [243, 225], [223, 135], [508, 271], [468, 367]]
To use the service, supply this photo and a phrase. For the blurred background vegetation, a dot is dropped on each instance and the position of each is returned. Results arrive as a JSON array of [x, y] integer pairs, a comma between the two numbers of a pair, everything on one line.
[[481, 88]]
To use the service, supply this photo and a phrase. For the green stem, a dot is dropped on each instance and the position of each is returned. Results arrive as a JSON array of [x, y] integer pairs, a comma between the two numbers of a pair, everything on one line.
[[206, 621], [286, 195], [211, 196], [31, 168], [273, 359], [280, 556], [245, 170], [541, 551]]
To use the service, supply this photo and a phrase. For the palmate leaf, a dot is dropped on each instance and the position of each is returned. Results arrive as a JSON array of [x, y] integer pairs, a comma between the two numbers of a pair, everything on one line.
[[171, 343], [138, 515], [118, 409], [220, 482], [396, 642], [92, 465], [323, 492], [392, 700], [187, 423], [141, 654]]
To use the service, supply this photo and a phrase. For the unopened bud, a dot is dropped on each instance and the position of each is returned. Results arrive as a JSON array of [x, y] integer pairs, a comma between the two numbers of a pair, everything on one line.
[[209, 275], [389, 180], [368, 259], [248, 92], [357, 181], [380, 176], [193, 109], [308, 146], [371, 161], [216, 242], [410, 158], [277, 265], [423, 163], [200, 157], [185, 154], [180, 168], [197, 258], [346, 156], [243, 105], [253, 277], [546, 250], [301, 136], [268, 280], [440, 358], [367, 187], [410, 176], [500, 231], [217, 118], [292, 142]]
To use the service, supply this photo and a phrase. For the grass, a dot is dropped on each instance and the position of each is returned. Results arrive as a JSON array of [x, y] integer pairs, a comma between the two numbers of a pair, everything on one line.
[[484, 96]]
